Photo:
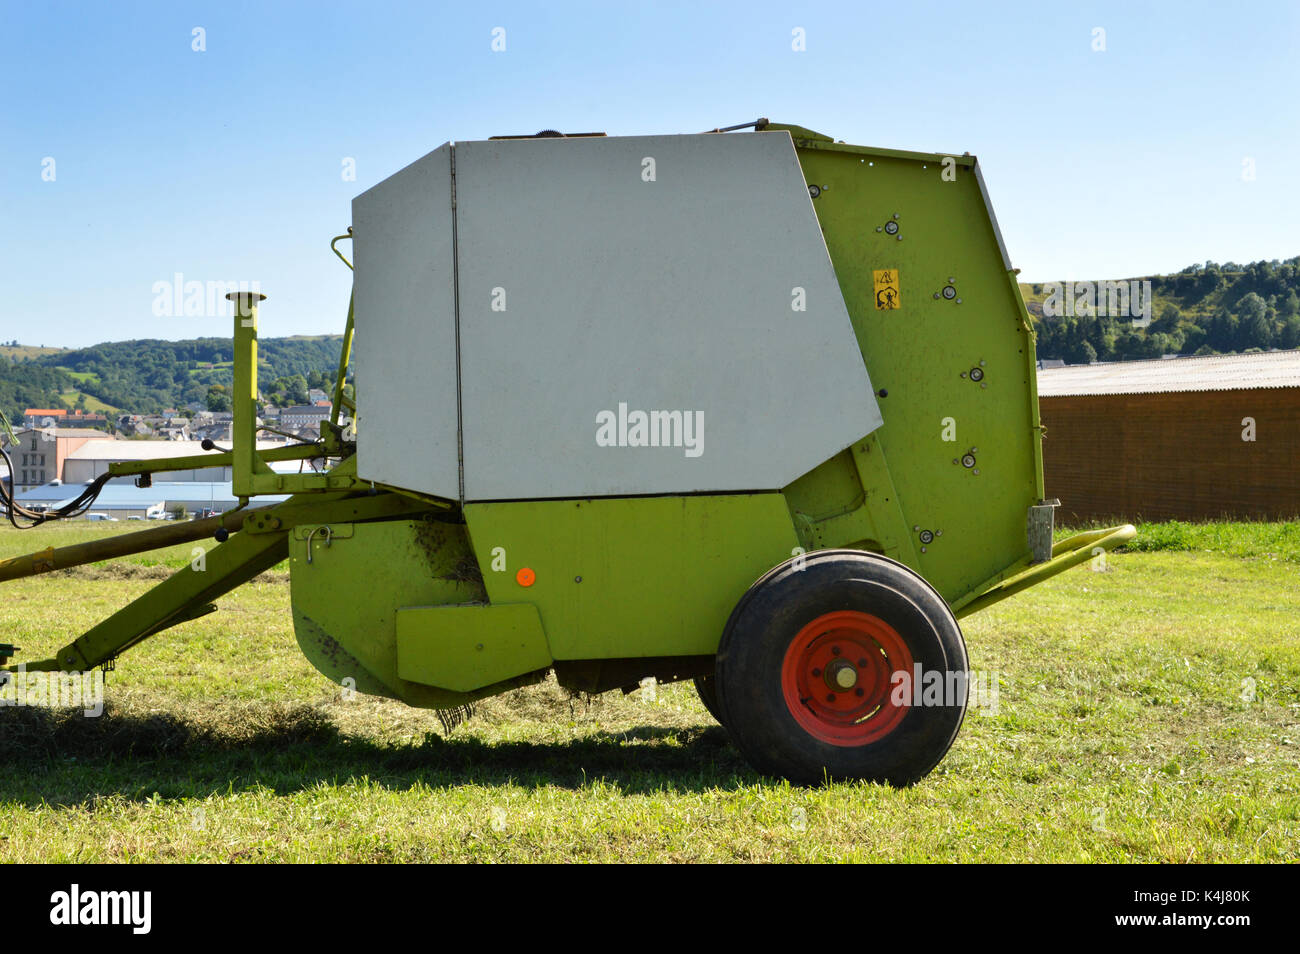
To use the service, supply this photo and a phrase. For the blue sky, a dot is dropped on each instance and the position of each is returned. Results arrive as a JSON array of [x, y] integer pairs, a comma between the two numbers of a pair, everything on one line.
[[226, 164]]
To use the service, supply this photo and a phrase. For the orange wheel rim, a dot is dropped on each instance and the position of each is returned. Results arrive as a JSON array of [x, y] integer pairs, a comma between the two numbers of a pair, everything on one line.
[[838, 678]]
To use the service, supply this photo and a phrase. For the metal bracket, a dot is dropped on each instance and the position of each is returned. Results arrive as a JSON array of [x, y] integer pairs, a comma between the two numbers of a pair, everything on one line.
[[1042, 518]]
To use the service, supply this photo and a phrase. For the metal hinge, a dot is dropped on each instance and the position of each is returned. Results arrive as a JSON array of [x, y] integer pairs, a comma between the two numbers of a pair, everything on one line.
[[452, 158]]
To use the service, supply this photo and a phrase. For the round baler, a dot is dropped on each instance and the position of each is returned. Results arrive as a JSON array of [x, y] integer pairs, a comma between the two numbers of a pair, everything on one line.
[[756, 409]]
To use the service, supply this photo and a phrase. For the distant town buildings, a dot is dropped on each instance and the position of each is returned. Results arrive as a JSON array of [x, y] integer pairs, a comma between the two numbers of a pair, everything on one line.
[[75, 457], [39, 454], [304, 416], [59, 451], [62, 417]]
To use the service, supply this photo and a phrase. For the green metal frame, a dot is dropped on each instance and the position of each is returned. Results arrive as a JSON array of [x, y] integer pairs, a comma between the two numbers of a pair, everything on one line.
[[1067, 553], [345, 353], [336, 495], [254, 541]]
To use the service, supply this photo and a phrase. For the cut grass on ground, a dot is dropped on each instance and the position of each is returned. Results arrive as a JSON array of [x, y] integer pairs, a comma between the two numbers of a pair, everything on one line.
[[1145, 713]]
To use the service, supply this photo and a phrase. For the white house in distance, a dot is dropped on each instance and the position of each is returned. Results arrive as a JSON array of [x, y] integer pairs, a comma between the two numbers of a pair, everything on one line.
[[304, 415]]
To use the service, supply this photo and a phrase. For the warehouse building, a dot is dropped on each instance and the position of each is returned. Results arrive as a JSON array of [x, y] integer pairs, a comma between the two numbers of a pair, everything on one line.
[[92, 459], [120, 499], [1196, 438]]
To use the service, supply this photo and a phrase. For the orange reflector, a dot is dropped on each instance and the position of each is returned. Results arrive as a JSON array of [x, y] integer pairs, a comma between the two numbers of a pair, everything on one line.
[[525, 576]]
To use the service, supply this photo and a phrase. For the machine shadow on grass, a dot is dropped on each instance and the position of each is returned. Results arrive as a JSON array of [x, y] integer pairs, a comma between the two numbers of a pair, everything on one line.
[[68, 759]]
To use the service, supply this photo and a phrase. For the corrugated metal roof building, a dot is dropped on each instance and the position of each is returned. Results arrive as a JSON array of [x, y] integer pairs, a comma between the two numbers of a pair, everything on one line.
[[92, 459], [1197, 438]]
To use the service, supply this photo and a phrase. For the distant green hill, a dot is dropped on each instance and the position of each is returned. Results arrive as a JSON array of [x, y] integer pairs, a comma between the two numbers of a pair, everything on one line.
[[145, 376], [1204, 309], [24, 384]]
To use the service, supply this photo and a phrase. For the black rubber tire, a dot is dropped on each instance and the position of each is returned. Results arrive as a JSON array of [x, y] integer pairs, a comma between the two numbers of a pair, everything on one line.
[[706, 687], [767, 619]]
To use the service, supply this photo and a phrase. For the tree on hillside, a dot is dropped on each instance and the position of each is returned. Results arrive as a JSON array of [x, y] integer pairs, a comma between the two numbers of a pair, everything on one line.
[[218, 398], [1221, 333], [1162, 343], [1250, 306], [1193, 338], [296, 391], [1253, 328], [1288, 305], [1288, 332], [1168, 321], [1209, 281]]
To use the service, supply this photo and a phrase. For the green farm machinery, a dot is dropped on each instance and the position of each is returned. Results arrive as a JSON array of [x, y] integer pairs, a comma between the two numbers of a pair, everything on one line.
[[756, 409]]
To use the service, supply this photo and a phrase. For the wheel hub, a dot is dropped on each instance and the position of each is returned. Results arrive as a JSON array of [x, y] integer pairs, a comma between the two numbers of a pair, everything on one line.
[[841, 675], [838, 676]]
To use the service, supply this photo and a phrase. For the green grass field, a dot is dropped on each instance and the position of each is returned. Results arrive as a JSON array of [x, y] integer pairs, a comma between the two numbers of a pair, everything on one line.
[[82, 376], [209, 367], [1146, 713], [23, 352], [92, 403]]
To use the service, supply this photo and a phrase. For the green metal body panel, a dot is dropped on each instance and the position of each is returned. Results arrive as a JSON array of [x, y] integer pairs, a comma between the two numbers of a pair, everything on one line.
[[851, 501], [346, 598], [467, 647], [907, 478], [639, 576]]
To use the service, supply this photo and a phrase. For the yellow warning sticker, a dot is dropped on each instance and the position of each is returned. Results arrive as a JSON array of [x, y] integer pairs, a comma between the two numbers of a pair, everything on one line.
[[886, 282]]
